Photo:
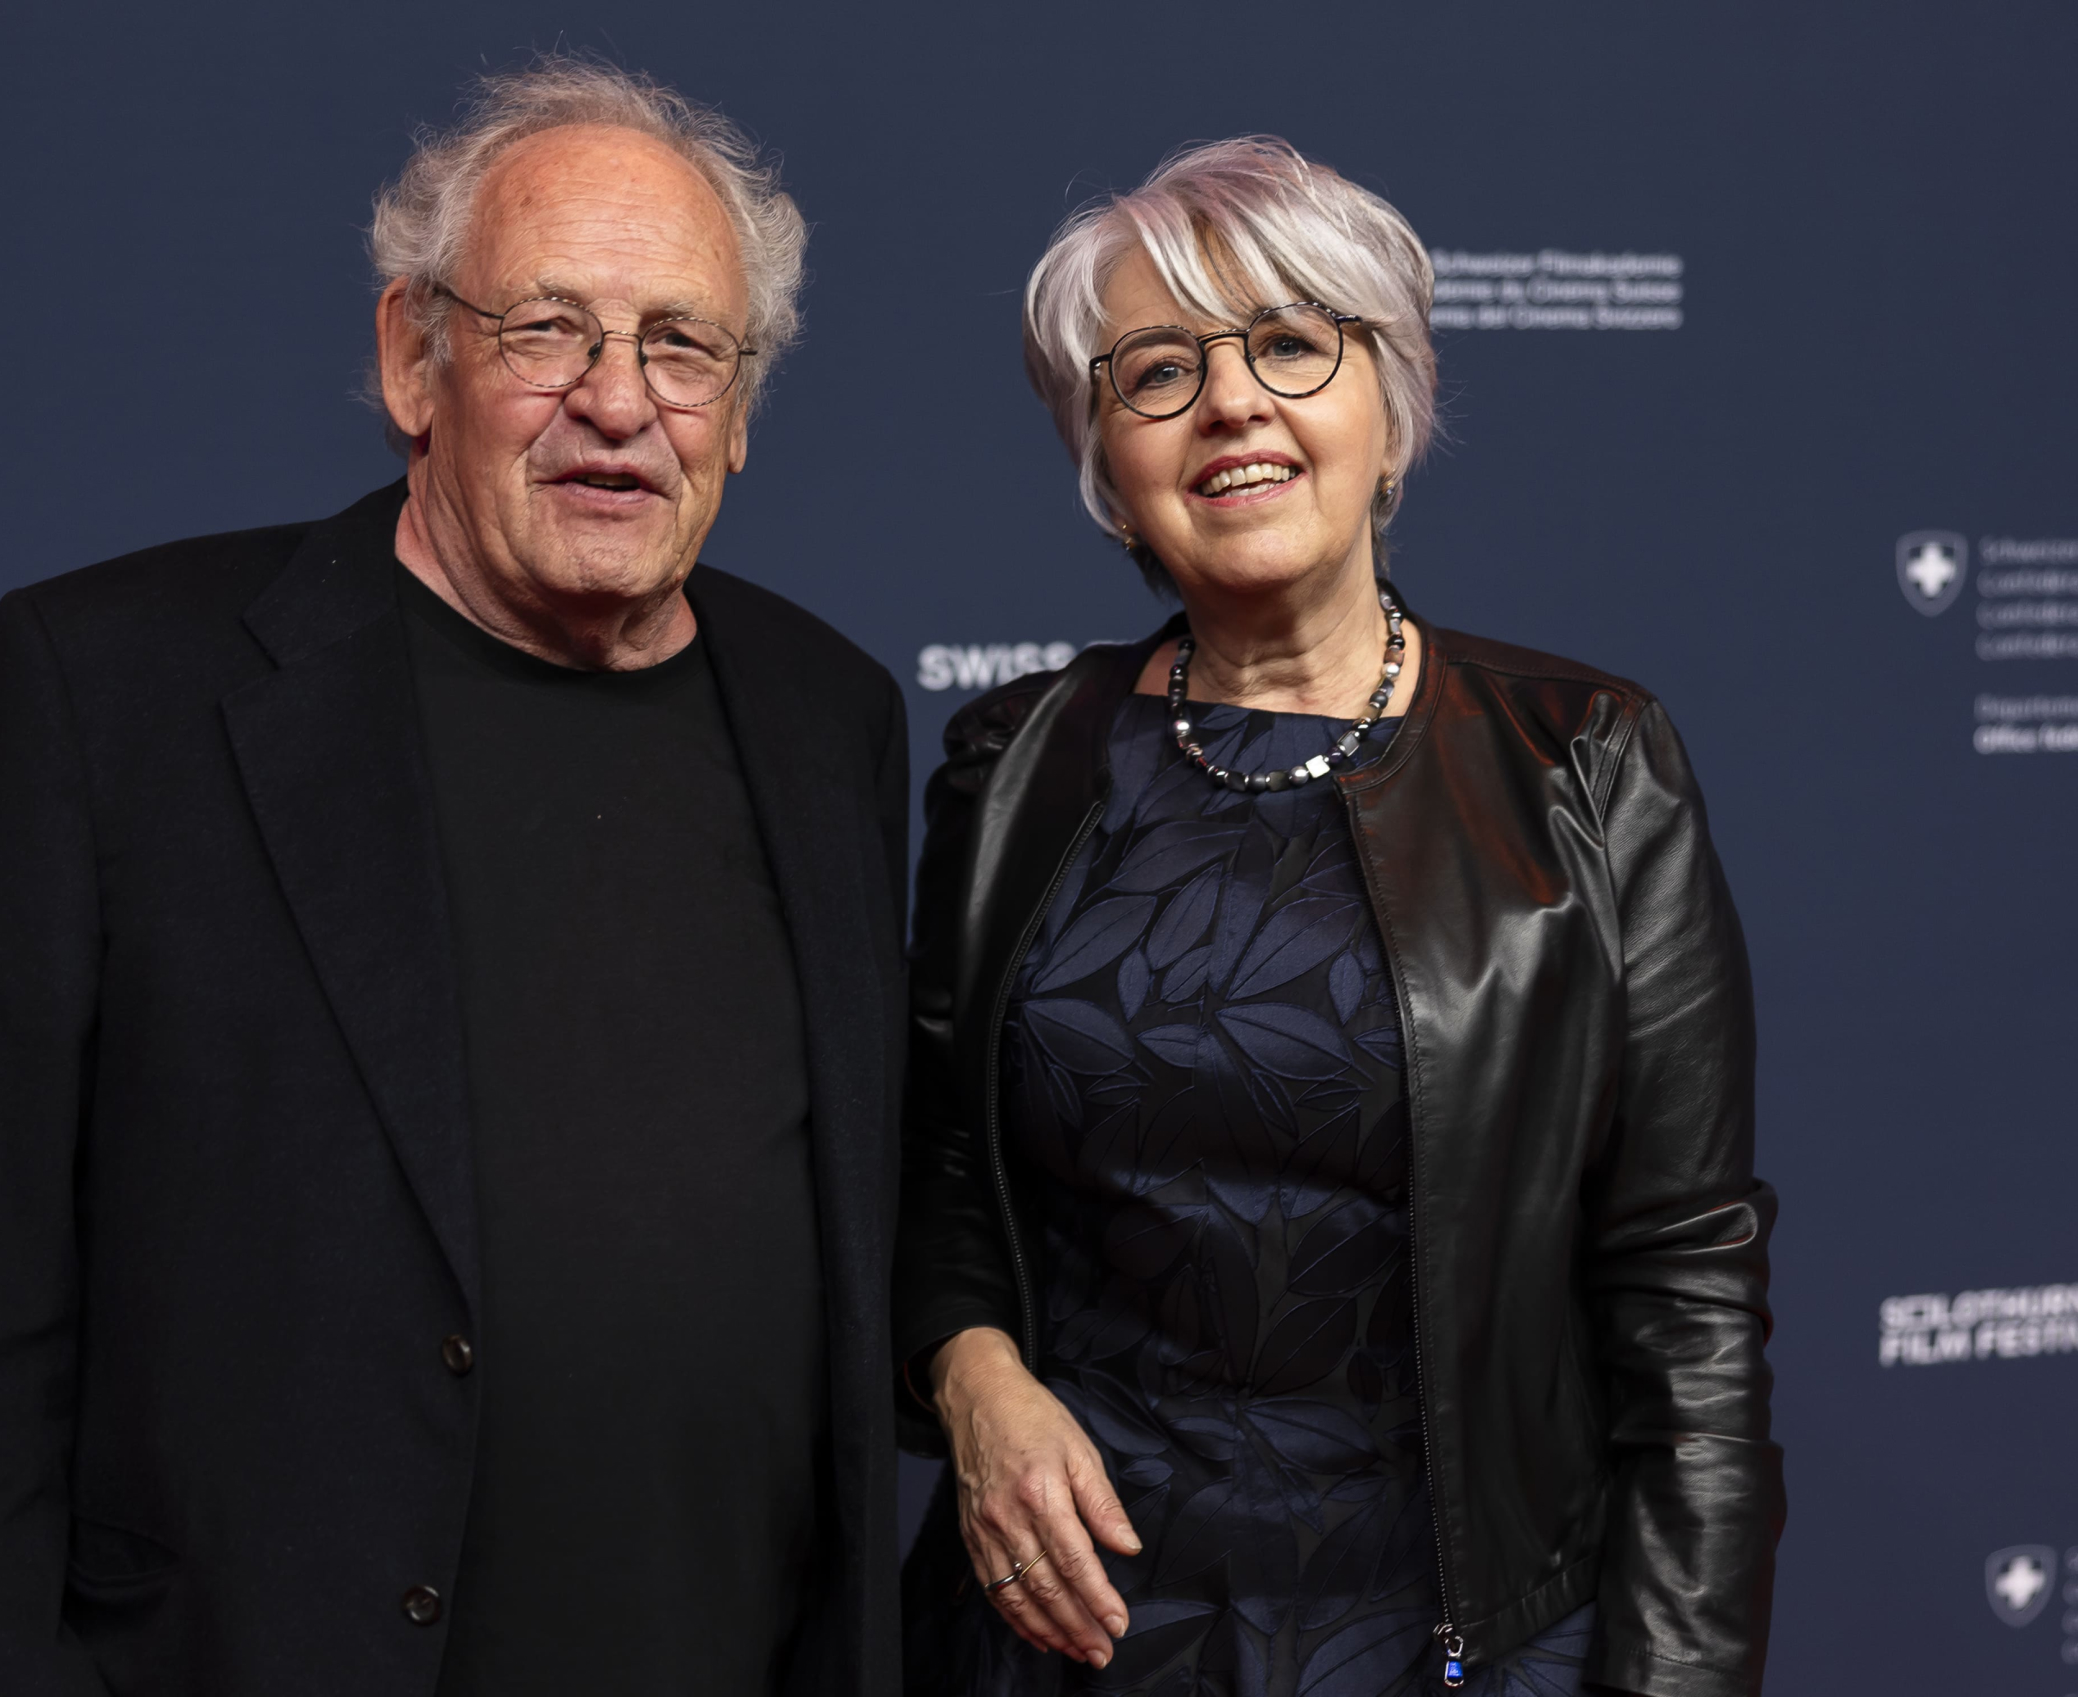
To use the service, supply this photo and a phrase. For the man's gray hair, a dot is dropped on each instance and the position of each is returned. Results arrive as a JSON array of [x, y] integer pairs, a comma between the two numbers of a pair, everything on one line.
[[1231, 227], [422, 220]]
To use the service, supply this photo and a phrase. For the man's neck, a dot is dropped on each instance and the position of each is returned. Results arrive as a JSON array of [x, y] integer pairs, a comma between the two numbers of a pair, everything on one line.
[[593, 634]]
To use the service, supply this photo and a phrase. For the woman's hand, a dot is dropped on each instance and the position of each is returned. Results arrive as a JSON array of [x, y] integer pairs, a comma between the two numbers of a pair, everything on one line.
[[1030, 1480]]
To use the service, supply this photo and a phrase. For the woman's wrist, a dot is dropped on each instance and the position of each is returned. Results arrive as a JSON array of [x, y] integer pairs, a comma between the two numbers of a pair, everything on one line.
[[966, 1361]]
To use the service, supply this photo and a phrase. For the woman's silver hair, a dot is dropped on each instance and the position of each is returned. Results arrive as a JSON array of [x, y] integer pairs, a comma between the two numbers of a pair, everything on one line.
[[422, 220], [1232, 227]]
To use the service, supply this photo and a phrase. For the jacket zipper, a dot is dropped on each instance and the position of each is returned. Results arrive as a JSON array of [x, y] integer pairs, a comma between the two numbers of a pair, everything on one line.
[[1445, 1632], [1029, 1343]]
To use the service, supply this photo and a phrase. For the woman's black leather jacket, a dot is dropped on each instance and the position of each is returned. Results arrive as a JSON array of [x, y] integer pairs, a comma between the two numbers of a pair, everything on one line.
[[1590, 1265]]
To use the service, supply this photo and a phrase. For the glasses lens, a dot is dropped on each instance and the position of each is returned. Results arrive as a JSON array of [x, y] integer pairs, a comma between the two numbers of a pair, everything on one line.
[[1294, 349], [689, 361], [549, 343], [1157, 371]]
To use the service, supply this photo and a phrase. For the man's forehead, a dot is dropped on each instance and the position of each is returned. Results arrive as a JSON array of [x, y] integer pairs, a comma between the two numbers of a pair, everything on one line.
[[583, 210]]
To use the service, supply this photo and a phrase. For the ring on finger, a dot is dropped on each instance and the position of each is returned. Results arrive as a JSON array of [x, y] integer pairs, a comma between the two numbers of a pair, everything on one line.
[[1014, 1575]]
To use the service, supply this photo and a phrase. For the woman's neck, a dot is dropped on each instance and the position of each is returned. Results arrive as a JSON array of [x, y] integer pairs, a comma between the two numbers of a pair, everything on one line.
[[1288, 654]]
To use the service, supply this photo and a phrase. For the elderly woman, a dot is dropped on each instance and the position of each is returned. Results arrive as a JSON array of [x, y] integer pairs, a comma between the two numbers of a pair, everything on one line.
[[1330, 1248]]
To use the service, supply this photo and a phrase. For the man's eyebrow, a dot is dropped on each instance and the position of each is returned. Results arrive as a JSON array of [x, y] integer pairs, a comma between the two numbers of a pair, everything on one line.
[[552, 286]]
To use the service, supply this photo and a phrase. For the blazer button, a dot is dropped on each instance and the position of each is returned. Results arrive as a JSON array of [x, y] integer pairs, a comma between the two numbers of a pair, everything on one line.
[[422, 1605], [458, 1354]]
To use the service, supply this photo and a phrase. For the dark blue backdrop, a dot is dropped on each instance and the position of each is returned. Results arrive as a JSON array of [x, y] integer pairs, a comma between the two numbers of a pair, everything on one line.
[[1872, 209]]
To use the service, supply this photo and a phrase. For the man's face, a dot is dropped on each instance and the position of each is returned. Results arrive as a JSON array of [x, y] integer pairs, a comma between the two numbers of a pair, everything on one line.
[[597, 492]]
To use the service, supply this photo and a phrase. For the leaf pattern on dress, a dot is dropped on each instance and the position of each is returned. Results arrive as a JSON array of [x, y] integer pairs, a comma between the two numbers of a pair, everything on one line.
[[1346, 987], [1306, 1344], [1184, 920], [1201, 1063], [1182, 982], [1159, 1632], [1296, 938], [1315, 1437], [1176, 1044], [1077, 1035], [1168, 854], [1343, 1666], [1134, 981], [1341, 1252], [1286, 1041], [1099, 935], [1197, 1537]]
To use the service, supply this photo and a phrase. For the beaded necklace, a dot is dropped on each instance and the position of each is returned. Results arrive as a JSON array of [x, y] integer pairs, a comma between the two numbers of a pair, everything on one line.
[[1339, 753]]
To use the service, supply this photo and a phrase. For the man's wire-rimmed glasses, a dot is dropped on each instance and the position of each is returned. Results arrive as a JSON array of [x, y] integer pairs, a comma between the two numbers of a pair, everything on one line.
[[550, 343], [1294, 351]]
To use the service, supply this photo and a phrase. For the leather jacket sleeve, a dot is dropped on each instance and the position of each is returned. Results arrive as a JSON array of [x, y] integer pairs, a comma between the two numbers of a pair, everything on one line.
[[1676, 1260], [952, 1265]]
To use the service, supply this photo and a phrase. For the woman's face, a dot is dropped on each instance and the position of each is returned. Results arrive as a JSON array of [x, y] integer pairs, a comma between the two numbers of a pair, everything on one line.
[[1310, 517]]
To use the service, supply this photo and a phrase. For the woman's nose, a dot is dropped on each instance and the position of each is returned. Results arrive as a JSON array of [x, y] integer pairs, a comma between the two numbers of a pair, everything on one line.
[[1232, 395]]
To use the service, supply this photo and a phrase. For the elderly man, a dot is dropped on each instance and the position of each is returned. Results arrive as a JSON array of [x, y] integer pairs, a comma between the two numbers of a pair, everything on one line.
[[450, 991]]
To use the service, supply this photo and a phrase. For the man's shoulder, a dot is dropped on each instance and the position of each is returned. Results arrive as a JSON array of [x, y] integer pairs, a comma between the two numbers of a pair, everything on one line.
[[164, 607], [161, 588], [753, 617]]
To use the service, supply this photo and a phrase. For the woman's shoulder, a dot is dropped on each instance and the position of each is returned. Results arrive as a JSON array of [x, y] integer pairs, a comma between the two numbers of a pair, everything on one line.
[[985, 726], [993, 717], [1506, 661], [1557, 710]]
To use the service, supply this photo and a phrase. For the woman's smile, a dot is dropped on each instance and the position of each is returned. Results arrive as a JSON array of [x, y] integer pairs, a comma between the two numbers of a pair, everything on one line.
[[1239, 480]]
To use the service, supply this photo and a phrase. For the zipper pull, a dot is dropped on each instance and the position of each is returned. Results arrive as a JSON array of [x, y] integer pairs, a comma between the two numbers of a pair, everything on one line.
[[1453, 1643]]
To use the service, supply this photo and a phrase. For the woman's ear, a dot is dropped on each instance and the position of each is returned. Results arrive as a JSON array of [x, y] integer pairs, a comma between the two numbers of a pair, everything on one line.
[[404, 360]]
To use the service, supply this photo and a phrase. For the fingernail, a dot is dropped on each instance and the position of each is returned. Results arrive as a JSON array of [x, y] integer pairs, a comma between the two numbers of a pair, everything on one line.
[[1133, 1545], [1115, 1625]]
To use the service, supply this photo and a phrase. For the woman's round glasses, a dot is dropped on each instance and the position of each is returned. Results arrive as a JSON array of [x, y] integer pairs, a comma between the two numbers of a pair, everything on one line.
[[550, 343], [1293, 350]]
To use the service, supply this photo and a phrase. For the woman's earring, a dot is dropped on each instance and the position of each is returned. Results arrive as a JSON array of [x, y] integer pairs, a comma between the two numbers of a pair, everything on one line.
[[1127, 540], [1389, 493]]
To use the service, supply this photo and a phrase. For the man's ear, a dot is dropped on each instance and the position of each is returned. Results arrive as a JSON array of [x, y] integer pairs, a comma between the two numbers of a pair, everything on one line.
[[405, 361], [739, 434]]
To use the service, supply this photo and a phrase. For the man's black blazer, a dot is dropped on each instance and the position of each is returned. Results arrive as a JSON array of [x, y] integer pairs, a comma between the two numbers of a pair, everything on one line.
[[236, 1214]]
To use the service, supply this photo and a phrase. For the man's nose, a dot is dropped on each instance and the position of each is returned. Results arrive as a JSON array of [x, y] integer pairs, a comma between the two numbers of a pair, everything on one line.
[[613, 396], [1232, 396]]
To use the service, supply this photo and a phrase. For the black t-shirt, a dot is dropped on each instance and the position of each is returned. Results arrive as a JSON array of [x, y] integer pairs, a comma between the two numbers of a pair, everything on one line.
[[650, 1352]]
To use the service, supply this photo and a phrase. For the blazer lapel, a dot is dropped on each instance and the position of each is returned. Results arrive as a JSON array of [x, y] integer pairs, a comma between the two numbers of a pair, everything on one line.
[[329, 749], [824, 848]]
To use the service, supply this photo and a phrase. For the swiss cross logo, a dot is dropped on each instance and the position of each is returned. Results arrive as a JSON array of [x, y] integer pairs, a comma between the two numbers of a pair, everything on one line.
[[1931, 567], [2019, 1582]]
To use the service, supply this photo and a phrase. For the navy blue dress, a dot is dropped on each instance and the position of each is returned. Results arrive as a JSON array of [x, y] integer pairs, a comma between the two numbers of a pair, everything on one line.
[[1202, 1060]]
